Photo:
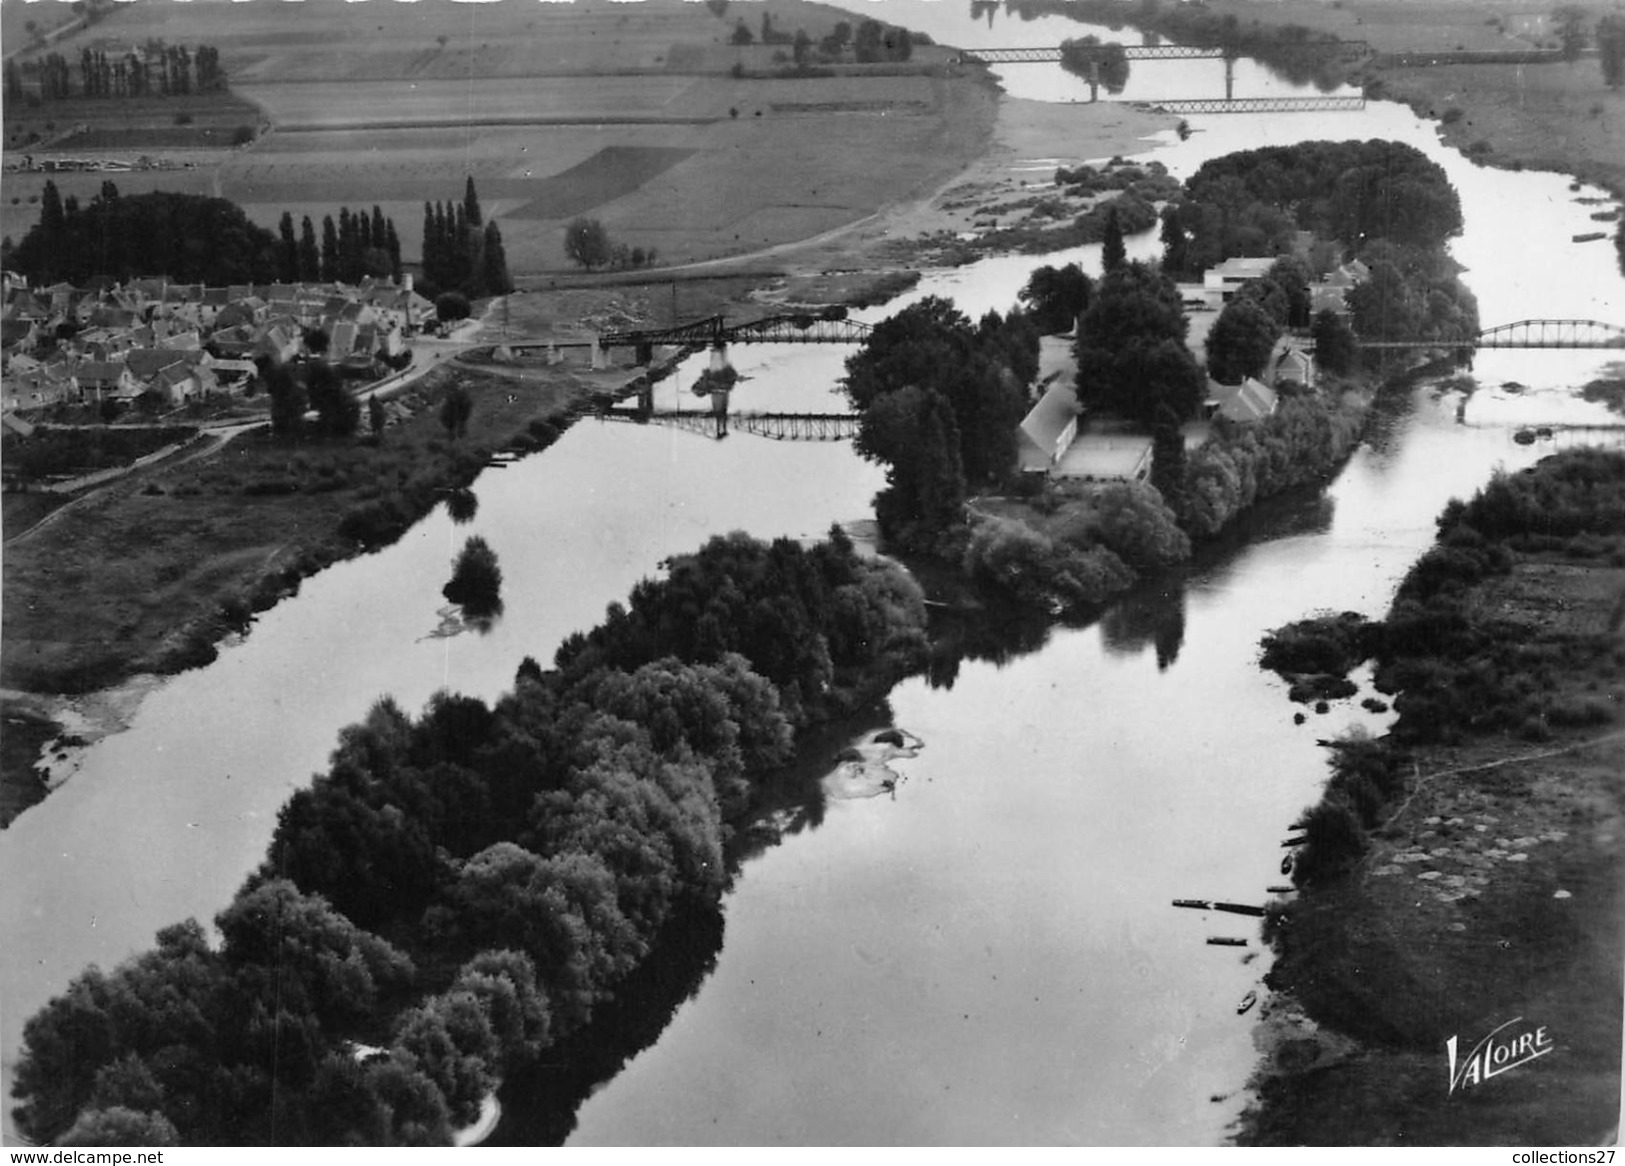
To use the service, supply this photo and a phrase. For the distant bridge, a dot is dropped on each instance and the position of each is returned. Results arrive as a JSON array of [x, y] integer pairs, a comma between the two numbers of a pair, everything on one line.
[[1050, 54], [1323, 104], [1525, 334], [778, 426]]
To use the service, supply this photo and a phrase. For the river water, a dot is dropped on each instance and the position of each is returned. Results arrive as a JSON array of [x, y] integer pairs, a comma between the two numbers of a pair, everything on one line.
[[987, 956]]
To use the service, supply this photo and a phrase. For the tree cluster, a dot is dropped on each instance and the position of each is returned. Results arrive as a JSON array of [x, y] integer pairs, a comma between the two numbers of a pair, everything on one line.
[[587, 242], [459, 892], [940, 400], [357, 245], [461, 251], [1099, 64], [192, 238], [1242, 339], [156, 69], [1254, 201], [1054, 297], [1132, 358]]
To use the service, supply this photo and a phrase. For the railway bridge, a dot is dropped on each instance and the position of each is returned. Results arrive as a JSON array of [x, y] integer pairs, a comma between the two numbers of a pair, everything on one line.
[[719, 423], [1525, 334]]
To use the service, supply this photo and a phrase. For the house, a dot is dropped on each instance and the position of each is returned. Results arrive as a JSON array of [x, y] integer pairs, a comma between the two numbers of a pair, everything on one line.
[[1232, 273], [1049, 429], [1293, 366], [146, 363], [180, 383], [232, 376], [278, 341], [38, 388], [1245, 404], [97, 379]]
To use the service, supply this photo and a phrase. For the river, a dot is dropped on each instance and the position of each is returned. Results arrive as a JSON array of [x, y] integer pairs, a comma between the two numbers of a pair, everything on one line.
[[988, 956]]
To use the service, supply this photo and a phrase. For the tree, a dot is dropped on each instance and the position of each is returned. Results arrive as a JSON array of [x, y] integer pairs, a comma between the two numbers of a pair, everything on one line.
[[1056, 296], [802, 47], [494, 278], [914, 434], [1611, 49], [471, 204], [1336, 349], [587, 243], [310, 256], [455, 410], [1569, 22], [476, 579], [1113, 254], [331, 257], [742, 35], [1240, 342], [1131, 347], [338, 413], [1291, 275], [119, 1126], [287, 397], [288, 251], [452, 305]]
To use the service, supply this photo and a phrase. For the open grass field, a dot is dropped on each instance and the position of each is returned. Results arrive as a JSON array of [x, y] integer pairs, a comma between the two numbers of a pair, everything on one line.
[[625, 113]]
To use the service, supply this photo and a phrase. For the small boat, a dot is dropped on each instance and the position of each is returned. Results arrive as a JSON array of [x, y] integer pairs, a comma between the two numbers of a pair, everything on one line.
[[1226, 941], [1591, 236], [1296, 840], [1286, 864], [1247, 1002], [1198, 904], [1239, 909], [1281, 890]]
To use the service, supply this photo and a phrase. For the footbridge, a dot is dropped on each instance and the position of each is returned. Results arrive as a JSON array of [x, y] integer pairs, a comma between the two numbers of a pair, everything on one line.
[[1525, 334], [1333, 103], [777, 426]]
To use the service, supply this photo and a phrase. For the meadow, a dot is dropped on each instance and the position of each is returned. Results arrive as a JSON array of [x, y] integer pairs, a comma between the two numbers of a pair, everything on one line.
[[632, 114]]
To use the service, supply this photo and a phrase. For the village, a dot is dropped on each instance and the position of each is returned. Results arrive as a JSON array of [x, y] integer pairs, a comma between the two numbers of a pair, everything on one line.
[[150, 345]]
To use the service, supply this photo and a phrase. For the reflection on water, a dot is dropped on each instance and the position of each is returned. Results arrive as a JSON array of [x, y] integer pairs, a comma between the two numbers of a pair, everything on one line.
[[539, 1105]]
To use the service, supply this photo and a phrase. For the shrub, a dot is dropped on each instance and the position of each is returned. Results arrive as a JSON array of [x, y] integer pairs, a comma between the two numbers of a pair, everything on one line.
[[476, 579], [1334, 840]]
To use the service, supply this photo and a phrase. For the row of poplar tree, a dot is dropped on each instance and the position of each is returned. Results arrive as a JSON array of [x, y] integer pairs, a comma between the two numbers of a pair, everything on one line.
[[461, 251]]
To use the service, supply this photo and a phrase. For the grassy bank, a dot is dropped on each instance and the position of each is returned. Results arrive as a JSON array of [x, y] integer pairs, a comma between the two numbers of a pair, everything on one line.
[[163, 563], [1475, 876]]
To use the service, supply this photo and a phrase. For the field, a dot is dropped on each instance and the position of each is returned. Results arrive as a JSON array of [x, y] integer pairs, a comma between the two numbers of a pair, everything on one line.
[[1549, 116], [626, 113]]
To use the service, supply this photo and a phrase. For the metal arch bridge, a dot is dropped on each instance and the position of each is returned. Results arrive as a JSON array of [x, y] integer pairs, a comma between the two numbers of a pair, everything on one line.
[[1049, 54], [777, 426], [1526, 334], [716, 332]]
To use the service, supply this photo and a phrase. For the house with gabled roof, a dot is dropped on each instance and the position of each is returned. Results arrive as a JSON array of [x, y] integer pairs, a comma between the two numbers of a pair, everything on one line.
[[1048, 429], [98, 379], [1245, 404], [1293, 366]]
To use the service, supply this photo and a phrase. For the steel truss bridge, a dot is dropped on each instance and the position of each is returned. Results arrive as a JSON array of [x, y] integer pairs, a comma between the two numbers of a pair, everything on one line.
[[1525, 334], [778, 426], [1328, 104], [716, 332], [1051, 54]]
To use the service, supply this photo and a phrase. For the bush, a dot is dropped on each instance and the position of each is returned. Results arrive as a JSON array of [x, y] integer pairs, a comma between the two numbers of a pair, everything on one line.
[[476, 579], [1334, 840]]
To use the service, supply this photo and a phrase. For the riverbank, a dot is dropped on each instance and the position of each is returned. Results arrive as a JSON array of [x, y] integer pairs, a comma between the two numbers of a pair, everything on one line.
[[166, 562], [1489, 885]]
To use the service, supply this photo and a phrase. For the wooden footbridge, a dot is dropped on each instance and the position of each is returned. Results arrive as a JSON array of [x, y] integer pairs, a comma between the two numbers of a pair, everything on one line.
[[1525, 334]]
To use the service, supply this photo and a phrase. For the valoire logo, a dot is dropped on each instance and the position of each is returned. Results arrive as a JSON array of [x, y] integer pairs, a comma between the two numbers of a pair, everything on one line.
[[1517, 1042]]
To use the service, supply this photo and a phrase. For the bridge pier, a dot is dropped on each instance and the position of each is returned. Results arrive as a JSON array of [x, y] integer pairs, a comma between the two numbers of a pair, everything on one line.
[[598, 360], [719, 357], [1229, 77]]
